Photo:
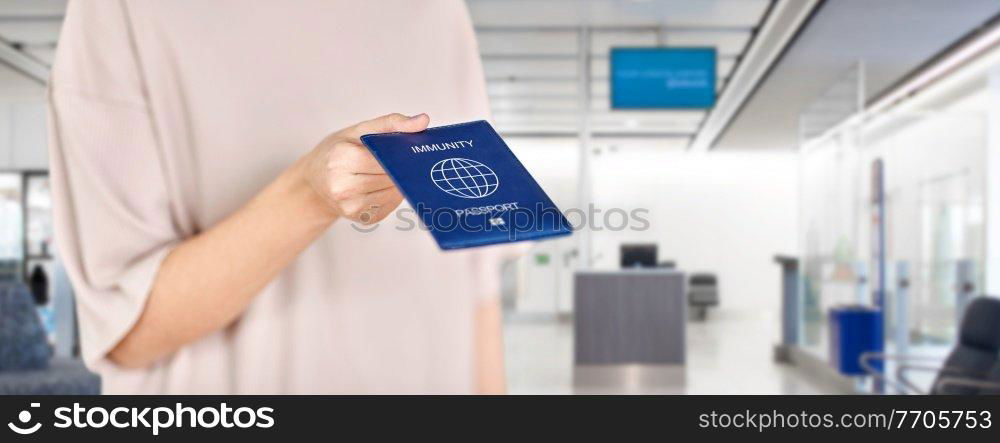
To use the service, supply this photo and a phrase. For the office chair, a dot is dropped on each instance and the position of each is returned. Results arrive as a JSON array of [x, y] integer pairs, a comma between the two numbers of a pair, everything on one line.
[[959, 385], [23, 344], [26, 363], [971, 368], [703, 291]]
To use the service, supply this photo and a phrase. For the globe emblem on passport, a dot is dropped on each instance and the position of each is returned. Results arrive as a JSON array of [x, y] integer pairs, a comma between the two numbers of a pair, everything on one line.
[[464, 178]]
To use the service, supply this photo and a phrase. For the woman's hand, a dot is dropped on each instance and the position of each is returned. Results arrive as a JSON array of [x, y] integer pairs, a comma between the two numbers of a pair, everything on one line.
[[349, 179], [207, 281]]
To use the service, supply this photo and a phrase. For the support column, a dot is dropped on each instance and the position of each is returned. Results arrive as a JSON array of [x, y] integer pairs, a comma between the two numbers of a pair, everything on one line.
[[991, 272], [584, 185]]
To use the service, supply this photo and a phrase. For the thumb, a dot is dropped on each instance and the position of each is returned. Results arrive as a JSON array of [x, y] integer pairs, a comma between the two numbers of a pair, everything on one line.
[[392, 123]]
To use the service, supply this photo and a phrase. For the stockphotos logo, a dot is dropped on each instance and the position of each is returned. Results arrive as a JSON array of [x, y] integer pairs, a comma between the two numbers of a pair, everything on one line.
[[155, 419], [24, 417]]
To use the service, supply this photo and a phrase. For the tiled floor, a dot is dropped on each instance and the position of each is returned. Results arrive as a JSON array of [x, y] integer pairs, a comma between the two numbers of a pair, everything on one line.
[[731, 353]]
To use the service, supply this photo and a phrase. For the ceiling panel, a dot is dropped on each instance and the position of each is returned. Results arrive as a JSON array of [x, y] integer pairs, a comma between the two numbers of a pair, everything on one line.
[[46, 54], [31, 9], [740, 13], [724, 42], [891, 37], [33, 26], [30, 31], [532, 61], [527, 42], [531, 56]]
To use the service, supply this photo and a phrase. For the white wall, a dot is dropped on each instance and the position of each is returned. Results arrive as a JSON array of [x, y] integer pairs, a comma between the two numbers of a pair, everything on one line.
[[22, 122], [23, 137], [724, 212], [546, 288]]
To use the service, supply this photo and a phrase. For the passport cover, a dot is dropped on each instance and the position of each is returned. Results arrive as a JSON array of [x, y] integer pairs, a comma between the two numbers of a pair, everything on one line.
[[466, 185]]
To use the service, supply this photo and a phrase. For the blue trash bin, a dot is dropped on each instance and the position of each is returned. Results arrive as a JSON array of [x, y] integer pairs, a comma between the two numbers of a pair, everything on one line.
[[854, 330]]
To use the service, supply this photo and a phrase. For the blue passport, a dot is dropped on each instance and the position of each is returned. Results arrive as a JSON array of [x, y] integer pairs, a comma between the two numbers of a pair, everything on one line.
[[466, 186]]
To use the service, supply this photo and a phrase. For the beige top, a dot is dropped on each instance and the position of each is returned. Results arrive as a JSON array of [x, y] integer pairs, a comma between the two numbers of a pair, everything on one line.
[[169, 115]]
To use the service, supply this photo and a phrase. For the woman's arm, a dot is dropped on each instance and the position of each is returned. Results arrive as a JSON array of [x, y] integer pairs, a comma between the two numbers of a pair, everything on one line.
[[208, 280], [490, 376]]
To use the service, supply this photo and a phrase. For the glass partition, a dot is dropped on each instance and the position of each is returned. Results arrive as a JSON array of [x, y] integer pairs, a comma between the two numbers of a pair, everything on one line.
[[934, 179], [11, 230], [831, 177], [39, 206], [936, 216]]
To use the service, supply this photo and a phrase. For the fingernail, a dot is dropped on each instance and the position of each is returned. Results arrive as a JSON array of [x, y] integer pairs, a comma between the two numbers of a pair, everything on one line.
[[414, 117]]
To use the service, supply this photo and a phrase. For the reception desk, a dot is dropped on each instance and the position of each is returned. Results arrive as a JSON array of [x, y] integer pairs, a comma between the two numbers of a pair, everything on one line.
[[629, 327]]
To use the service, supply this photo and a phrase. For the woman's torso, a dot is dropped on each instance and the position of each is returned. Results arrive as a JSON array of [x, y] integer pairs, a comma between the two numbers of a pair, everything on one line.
[[238, 91]]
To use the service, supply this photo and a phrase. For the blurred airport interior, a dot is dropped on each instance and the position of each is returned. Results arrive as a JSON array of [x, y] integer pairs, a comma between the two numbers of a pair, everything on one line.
[[783, 196]]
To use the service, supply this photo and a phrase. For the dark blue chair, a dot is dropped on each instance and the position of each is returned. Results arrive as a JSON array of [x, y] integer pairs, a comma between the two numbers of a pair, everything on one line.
[[26, 363], [971, 368]]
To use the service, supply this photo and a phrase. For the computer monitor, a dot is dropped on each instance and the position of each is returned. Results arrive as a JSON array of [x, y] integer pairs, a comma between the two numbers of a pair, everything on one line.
[[662, 78], [640, 255]]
